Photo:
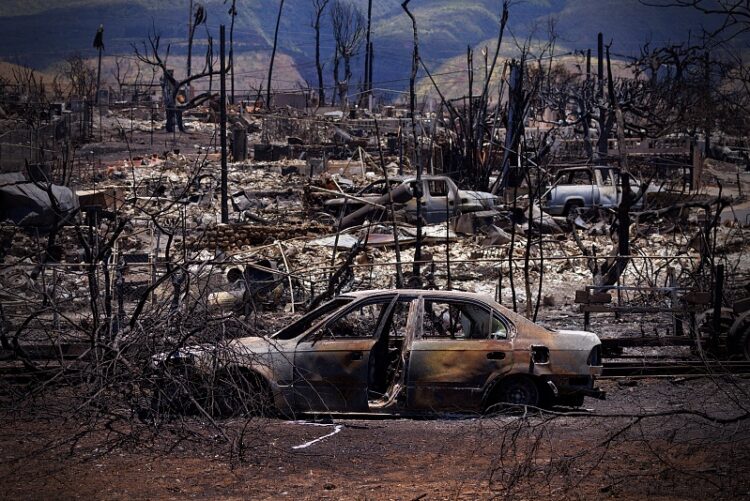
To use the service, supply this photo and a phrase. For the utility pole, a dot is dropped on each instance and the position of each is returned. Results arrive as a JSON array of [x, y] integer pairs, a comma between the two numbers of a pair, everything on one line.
[[190, 38], [368, 55], [707, 129], [602, 145], [233, 13], [223, 114], [369, 78]]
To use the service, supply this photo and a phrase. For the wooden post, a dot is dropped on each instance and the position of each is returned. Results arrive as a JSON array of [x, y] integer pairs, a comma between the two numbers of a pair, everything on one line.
[[672, 284], [623, 231], [718, 299], [586, 320], [239, 143], [697, 169]]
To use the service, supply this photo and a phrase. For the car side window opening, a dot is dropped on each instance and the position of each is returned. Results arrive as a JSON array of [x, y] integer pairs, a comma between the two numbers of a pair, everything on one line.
[[437, 188], [606, 177], [361, 322], [580, 177], [461, 320], [376, 188]]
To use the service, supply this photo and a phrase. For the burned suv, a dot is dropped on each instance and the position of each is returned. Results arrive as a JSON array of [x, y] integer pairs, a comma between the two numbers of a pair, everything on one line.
[[401, 351]]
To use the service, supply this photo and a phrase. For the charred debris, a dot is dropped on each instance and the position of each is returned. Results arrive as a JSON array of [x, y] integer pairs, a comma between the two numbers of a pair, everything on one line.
[[571, 196]]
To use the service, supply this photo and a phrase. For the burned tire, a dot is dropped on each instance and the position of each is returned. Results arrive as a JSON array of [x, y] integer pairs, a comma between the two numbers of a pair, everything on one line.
[[705, 322], [571, 207], [746, 345], [739, 336], [514, 392], [174, 391], [714, 343]]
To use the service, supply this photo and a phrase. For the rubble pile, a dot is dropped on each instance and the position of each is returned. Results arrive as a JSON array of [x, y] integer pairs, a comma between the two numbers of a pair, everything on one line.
[[314, 207]]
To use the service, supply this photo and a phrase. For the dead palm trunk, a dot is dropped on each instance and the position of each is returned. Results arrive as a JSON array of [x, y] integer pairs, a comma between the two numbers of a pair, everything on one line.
[[273, 55], [318, 66], [99, 46]]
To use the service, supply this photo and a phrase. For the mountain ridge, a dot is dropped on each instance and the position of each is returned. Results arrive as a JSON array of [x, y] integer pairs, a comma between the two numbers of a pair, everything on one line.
[[40, 33]]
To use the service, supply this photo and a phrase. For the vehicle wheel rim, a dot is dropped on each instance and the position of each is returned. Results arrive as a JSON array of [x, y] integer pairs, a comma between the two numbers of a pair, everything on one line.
[[520, 394]]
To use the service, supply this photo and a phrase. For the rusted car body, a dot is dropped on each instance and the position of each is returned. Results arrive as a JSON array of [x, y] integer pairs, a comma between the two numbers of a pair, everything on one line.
[[410, 351], [585, 188], [441, 198]]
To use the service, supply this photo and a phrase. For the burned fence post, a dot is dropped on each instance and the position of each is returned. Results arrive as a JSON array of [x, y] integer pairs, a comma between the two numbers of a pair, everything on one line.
[[239, 143], [718, 300]]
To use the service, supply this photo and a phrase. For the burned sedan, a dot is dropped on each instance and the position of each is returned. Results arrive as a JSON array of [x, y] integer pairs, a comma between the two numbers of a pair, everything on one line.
[[404, 352]]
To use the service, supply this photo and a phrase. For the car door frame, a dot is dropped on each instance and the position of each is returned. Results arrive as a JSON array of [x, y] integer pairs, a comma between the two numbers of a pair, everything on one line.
[[454, 374], [608, 193], [332, 375], [436, 208]]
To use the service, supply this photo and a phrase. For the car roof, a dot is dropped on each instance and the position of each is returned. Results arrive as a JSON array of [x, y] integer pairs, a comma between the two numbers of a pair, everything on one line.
[[510, 314], [417, 292], [425, 177]]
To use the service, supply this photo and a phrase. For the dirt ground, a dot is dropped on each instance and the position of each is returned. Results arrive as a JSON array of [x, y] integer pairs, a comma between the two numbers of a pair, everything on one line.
[[672, 456]]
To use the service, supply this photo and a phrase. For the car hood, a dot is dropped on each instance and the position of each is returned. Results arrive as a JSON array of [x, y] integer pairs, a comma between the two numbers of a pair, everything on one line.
[[476, 195], [205, 353], [254, 344]]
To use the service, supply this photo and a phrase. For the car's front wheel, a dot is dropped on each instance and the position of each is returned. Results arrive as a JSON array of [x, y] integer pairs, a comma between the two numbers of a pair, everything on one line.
[[238, 392]]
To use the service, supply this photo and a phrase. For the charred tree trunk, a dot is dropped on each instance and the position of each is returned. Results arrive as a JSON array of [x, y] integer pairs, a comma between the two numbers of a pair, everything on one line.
[[614, 267], [515, 123], [335, 76], [412, 109]]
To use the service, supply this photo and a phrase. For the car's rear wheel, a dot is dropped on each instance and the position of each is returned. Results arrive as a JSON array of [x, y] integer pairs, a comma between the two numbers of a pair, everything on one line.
[[572, 207], [514, 392]]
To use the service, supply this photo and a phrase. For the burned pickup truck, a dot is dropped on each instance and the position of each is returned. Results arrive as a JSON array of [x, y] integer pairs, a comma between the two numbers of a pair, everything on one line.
[[441, 200], [397, 351], [586, 188]]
